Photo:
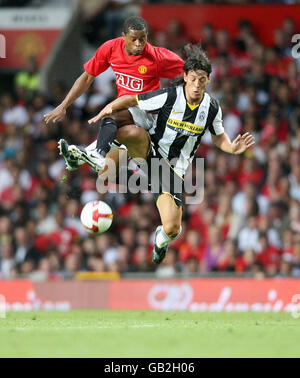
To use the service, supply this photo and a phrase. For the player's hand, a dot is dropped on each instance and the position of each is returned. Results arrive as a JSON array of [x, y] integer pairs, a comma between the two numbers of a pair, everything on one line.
[[104, 112], [55, 115], [241, 143]]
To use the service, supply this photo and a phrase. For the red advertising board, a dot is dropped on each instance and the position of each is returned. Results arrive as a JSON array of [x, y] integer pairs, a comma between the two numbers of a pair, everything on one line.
[[205, 294], [20, 295], [198, 294], [265, 18], [16, 291]]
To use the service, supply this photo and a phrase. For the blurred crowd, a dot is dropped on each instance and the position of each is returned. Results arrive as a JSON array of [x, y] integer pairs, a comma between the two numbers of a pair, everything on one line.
[[103, 20], [249, 220], [21, 3]]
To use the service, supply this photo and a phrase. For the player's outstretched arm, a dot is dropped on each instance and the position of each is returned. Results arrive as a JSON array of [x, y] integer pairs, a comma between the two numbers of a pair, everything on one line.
[[120, 103], [79, 87], [237, 146]]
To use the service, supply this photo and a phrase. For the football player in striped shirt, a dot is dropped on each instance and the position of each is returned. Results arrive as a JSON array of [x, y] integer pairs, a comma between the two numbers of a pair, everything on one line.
[[185, 113]]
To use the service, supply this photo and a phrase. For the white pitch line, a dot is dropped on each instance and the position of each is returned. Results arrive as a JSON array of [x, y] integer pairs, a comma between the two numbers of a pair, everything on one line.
[[82, 328]]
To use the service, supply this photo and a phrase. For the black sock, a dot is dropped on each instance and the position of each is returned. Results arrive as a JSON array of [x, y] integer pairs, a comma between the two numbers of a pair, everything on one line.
[[106, 136]]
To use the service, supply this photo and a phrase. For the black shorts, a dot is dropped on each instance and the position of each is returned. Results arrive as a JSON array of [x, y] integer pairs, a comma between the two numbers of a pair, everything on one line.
[[163, 179]]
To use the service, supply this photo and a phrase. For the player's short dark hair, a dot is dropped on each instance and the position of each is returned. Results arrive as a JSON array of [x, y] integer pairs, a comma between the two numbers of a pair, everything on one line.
[[196, 59], [135, 23]]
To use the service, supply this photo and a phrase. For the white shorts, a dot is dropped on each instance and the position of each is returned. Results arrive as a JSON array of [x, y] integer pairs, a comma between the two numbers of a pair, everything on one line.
[[142, 118]]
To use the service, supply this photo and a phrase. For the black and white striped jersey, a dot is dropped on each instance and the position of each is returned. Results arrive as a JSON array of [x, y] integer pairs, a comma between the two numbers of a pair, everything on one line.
[[179, 127]]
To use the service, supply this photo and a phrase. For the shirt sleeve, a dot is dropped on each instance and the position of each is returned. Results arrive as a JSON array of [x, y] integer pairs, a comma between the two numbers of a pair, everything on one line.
[[216, 127], [170, 65], [100, 61], [153, 100]]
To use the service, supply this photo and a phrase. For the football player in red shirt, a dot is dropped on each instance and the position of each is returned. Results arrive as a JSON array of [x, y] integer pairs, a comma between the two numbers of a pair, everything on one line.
[[138, 66]]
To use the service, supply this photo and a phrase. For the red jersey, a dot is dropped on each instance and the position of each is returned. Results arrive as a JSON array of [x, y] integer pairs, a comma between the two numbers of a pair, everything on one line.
[[135, 73]]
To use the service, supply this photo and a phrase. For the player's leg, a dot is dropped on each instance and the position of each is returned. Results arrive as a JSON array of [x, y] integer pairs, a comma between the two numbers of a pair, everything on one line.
[[121, 118], [118, 125], [95, 153], [111, 170], [124, 126], [75, 156], [170, 214], [136, 139]]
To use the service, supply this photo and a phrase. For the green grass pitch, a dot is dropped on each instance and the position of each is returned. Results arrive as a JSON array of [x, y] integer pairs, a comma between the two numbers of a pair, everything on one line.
[[106, 333]]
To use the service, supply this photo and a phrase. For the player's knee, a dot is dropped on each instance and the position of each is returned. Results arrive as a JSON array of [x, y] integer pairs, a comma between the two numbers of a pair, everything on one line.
[[122, 118], [129, 133], [115, 116], [172, 229]]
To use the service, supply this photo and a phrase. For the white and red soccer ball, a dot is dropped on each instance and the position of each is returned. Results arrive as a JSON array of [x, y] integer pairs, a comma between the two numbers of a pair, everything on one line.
[[96, 217]]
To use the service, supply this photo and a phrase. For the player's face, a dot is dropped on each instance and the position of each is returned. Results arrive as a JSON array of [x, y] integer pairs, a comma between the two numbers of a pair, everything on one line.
[[196, 81], [135, 41]]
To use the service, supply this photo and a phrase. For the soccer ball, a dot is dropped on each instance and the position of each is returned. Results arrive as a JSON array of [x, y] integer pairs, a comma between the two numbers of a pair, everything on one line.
[[96, 217]]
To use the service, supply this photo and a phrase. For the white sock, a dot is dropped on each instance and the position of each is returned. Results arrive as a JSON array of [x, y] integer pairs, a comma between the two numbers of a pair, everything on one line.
[[162, 238], [93, 146]]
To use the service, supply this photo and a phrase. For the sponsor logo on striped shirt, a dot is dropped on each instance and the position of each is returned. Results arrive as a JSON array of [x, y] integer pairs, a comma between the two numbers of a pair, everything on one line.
[[179, 126]]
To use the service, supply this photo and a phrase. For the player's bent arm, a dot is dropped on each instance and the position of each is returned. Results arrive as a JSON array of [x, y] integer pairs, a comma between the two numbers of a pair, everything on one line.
[[124, 102], [223, 142], [79, 87], [120, 103], [237, 146]]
